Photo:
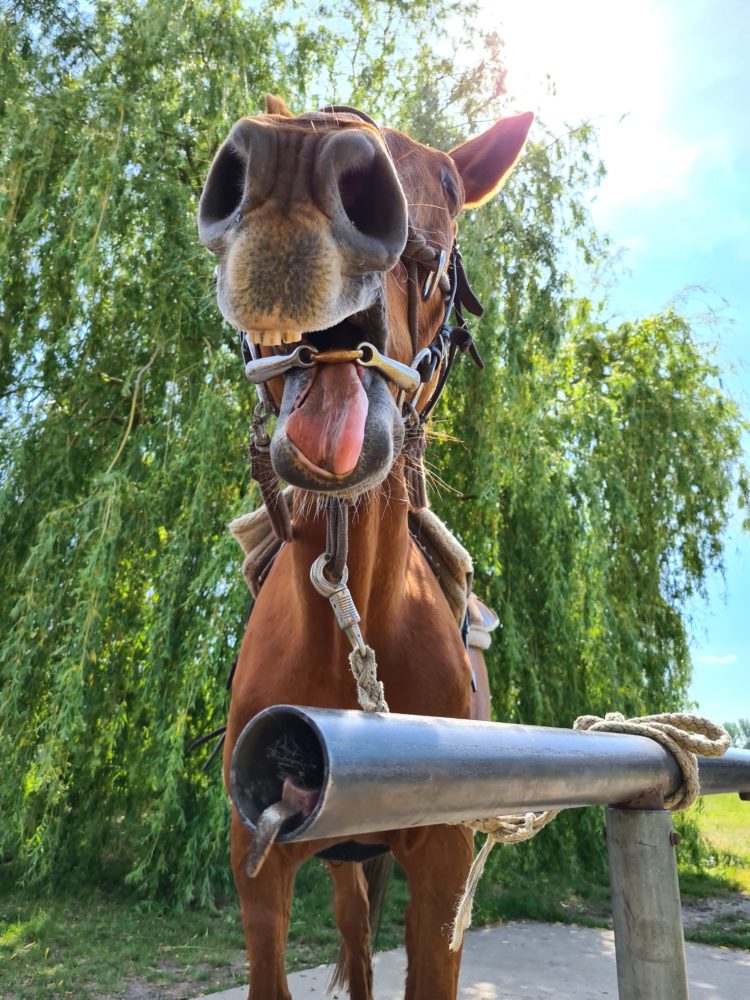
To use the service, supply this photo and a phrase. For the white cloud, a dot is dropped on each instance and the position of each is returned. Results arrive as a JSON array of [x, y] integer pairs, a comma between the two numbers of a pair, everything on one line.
[[711, 660]]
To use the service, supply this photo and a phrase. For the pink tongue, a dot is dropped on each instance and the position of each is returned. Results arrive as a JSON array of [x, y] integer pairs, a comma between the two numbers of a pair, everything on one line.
[[329, 426]]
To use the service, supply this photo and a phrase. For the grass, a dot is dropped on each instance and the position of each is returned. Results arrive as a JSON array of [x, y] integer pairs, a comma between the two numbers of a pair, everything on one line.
[[79, 949], [84, 948], [97, 945], [725, 825]]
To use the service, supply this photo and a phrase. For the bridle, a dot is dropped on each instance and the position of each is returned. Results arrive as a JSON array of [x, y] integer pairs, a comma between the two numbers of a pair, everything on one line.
[[329, 572], [410, 379]]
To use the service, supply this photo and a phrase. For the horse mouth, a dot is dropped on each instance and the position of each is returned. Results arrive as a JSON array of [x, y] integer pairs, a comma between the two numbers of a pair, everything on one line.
[[326, 425], [337, 422]]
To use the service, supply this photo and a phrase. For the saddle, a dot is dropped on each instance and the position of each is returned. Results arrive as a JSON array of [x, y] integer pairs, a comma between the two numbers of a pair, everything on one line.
[[448, 559]]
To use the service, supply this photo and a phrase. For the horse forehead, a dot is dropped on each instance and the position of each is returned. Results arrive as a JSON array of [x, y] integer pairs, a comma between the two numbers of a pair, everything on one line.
[[321, 123]]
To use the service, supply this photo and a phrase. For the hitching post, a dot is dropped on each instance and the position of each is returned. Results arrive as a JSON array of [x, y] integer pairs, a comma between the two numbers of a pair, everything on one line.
[[646, 910]]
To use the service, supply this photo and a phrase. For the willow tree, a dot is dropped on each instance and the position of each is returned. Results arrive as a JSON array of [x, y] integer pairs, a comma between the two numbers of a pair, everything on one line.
[[592, 467]]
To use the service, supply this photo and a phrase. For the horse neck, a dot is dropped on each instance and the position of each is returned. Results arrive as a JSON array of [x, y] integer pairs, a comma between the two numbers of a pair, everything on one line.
[[378, 546]]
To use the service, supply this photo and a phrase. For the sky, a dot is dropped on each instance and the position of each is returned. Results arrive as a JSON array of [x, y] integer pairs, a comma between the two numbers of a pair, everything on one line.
[[667, 83]]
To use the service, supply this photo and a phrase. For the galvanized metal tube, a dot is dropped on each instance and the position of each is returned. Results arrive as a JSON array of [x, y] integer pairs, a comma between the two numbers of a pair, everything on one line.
[[730, 773], [646, 905], [385, 772]]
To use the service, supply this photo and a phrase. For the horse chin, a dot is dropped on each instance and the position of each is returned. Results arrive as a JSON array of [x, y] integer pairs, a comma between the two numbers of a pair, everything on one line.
[[382, 442]]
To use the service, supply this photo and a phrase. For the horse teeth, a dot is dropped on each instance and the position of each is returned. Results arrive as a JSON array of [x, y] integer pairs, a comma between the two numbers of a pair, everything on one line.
[[266, 338], [272, 338]]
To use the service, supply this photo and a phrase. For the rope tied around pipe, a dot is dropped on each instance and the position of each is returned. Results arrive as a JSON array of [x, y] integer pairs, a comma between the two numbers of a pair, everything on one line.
[[685, 736]]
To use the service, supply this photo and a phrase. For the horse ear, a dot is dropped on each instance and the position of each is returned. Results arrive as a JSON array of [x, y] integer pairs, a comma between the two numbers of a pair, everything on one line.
[[485, 162], [275, 106]]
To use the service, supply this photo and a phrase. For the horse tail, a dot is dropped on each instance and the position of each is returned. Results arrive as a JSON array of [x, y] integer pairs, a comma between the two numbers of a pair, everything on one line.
[[377, 872]]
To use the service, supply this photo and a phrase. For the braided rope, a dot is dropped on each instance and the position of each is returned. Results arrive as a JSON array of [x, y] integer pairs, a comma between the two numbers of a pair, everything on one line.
[[370, 691], [683, 734]]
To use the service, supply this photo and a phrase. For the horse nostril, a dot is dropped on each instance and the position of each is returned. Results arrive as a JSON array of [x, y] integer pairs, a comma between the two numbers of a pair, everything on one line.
[[222, 194], [364, 196], [356, 185], [352, 187]]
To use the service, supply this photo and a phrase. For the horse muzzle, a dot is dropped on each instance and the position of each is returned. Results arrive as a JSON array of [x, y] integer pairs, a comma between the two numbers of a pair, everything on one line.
[[303, 225]]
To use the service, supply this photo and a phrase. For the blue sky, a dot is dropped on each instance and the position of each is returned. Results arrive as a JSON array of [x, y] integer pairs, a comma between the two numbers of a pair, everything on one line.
[[667, 82]]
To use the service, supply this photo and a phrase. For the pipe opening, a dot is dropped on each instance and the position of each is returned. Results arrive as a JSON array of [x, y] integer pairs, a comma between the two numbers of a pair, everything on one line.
[[274, 753]]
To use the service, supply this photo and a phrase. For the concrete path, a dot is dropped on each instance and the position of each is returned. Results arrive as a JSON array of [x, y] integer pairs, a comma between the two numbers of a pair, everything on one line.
[[531, 961]]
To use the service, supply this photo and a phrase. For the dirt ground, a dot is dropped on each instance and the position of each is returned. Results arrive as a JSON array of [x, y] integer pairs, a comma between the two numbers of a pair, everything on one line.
[[697, 913]]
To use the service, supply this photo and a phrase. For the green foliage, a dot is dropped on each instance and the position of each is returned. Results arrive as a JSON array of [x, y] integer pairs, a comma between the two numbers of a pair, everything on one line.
[[595, 468], [595, 465], [740, 733]]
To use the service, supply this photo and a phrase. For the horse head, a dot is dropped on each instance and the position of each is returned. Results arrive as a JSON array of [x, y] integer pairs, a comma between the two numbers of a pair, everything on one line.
[[332, 237]]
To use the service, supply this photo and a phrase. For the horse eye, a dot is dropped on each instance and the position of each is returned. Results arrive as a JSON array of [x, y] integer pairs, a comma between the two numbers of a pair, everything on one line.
[[451, 189]]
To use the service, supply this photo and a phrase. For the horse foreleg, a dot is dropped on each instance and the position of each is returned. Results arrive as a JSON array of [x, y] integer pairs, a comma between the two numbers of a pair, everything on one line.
[[265, 904], [352, 911], [436, 861]]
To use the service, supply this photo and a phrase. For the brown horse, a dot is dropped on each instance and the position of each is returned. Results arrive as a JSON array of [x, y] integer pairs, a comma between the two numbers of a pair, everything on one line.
[[323, 224]]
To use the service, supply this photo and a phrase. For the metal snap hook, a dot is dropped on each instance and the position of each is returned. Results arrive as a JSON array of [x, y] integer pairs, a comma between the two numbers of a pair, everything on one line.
[[321, 582]]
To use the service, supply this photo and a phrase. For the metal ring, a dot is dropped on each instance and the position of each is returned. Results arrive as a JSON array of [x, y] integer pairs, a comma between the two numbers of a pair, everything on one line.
[[309, 358], [433, 278], [319, 580], [419, 358]]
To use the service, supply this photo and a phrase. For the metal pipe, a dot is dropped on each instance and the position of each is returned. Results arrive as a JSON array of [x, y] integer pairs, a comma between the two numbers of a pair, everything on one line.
[[646, 905], [385, 772]]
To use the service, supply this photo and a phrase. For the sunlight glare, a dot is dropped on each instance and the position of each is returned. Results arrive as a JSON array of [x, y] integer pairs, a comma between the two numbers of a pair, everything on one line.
[[609, 64]]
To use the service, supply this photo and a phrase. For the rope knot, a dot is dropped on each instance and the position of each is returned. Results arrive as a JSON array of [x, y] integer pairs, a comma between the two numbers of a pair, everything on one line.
[[685, 735]]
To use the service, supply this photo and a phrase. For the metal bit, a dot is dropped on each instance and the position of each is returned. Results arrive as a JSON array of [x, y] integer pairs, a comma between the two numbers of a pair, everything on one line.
[[262, 369], [403, 376]]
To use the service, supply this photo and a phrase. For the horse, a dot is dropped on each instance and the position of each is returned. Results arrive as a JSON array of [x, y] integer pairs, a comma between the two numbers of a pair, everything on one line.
[[335, 241]]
